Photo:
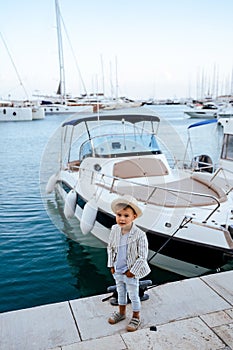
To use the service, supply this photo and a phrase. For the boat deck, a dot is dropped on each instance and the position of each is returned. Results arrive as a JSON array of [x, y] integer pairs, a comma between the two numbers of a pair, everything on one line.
[[194, 191], [190, 314]]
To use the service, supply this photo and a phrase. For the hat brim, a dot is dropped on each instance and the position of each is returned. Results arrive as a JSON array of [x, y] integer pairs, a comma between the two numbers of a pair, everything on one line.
[[125, 201]]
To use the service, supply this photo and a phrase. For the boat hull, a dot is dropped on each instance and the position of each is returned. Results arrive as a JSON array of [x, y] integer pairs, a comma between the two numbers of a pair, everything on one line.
[[201, 114], [15, 114], [66, 109], [182, 256]]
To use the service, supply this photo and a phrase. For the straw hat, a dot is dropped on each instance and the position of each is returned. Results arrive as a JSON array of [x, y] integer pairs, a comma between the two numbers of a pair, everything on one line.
[[127, 200]]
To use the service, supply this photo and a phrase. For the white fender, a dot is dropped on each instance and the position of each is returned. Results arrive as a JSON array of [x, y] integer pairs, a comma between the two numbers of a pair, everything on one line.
[[88, 216], [51, 183], [70, 204]]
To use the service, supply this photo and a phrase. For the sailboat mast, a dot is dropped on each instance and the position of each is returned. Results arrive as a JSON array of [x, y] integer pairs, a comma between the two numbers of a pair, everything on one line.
[[62, 89], [13, 63], [116, 78]]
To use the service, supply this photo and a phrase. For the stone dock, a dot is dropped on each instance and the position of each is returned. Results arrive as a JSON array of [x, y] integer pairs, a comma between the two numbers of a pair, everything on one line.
[[192, 314]]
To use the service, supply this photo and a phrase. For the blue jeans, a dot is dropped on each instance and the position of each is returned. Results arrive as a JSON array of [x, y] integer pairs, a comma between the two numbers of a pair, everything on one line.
[[125, 284]]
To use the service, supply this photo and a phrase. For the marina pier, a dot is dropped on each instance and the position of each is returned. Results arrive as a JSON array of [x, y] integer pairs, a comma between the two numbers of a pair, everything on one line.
[[190, 314]]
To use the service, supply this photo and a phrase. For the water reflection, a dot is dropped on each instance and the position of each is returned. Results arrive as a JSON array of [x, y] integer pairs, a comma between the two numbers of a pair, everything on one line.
[[88, 266]]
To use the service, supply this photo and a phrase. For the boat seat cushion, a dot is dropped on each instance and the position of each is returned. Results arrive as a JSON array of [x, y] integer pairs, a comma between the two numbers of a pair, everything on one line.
[[139, 167], [220, 194]]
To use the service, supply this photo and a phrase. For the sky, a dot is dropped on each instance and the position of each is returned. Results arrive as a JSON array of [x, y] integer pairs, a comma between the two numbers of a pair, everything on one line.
[[139, 49]]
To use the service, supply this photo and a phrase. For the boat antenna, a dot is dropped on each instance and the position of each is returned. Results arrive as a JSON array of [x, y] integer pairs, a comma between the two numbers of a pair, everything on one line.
[[17, 73]]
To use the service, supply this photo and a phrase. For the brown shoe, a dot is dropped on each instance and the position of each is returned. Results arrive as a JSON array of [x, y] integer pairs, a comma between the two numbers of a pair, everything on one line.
[[133, 325], [116, 317]]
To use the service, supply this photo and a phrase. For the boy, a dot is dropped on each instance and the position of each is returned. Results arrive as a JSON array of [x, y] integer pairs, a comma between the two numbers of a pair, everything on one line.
[[127, 258]]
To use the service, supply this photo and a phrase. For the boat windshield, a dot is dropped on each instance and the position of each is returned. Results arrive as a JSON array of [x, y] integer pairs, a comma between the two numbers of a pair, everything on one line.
[[119, 145], [227, 149]]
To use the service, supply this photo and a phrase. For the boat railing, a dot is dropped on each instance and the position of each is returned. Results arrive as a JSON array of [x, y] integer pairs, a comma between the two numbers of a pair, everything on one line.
[[101, 179], [223, 171]]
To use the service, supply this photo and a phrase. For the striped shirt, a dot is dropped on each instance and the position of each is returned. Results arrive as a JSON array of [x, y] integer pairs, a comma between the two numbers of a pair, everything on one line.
[[137, 250]]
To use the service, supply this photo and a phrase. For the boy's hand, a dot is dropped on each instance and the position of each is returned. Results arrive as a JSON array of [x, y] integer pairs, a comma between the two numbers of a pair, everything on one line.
[[112, 270], [129, 274]]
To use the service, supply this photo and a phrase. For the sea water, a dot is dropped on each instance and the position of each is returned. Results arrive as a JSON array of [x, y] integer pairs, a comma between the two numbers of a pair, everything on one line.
[[44, 257]]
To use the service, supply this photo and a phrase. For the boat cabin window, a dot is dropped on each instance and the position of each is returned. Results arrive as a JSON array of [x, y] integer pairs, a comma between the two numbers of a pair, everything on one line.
[[227, 148], [116, 145], [119, 145]]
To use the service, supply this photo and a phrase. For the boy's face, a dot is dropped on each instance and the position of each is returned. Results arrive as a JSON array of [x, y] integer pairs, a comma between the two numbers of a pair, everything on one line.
[[125, 217]]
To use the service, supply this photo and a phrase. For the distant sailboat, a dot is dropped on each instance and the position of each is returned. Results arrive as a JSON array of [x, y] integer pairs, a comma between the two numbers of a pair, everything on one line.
[[18, 110], [87, 102], [61, 105]]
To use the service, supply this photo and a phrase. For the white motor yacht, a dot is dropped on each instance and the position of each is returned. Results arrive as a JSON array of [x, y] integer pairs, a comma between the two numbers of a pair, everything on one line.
[[187, 216], [205, 111]]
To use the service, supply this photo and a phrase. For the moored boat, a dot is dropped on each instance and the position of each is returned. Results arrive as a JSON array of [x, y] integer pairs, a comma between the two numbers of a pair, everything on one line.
[[205, 111], [226, 111], [20, 111], [9, 114], [186, 215], [64, 109]]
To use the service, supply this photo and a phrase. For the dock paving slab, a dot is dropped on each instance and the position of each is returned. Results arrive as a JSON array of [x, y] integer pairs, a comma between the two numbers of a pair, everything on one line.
[[182, 299], [222, 283], [114, 342], [218, 318], [39, 328], [189, 334], [225, 332]]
